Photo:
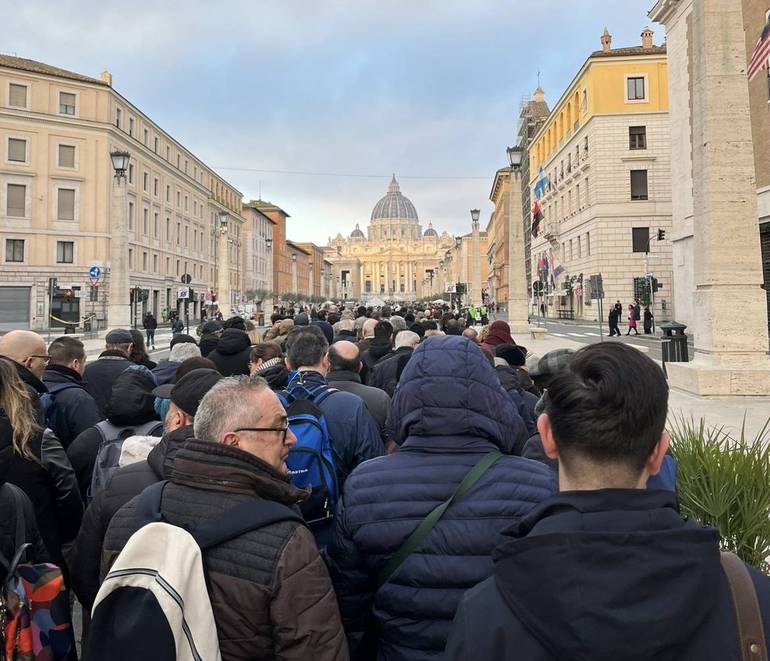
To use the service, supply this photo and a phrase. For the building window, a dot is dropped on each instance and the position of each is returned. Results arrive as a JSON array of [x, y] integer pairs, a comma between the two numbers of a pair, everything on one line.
[[580, 248], [130, 258], [145, 221], [66, 103], [168, 153], [130, 215], [637, 137], [154, 263], [118, 113], [145, 182], [168, 265], [168, 193], [66, 156], [17, 150], [186, 235], [635, 88], [178, 199], [144, 261], [588, 244], [177, 267], [131, 126], [168, 229], [155, 225], [65, 206], [17, 95], [571, 254], [178, 161], [185, 202], [130, 173], [14, 250], [64, 252], [640, 239], [146, 137], [639, 184], [155, 186], [178, 233], [155, 148], [16, 200]]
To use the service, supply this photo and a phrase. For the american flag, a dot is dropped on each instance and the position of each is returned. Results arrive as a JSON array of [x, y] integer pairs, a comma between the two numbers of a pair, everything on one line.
[[761, 53]]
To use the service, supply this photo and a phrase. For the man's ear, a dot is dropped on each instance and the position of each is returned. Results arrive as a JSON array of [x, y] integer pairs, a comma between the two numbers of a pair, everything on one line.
[[655, 460], [360, 366], [325, 362], [545, 429]]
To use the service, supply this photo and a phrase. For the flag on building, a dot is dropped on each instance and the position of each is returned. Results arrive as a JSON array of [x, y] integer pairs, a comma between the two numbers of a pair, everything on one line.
[[537, 216], [542, 182], [761, 53]]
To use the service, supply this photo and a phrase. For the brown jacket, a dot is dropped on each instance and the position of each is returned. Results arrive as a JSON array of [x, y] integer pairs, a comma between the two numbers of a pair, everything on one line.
[[270, 592]]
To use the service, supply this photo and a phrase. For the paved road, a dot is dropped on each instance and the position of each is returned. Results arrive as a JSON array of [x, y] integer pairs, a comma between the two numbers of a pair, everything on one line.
[[588, 333]]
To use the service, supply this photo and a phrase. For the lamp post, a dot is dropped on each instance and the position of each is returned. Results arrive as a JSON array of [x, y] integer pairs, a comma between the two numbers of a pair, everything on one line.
[[476, 258], [119, 301], [518, 296], [294, 286], [223, 274]]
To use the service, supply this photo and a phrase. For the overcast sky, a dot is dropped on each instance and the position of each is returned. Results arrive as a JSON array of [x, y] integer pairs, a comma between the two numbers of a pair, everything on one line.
[[427, 89]]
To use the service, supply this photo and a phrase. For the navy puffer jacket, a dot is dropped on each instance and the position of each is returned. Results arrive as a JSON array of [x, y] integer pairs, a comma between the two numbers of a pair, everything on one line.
[[448, 412]]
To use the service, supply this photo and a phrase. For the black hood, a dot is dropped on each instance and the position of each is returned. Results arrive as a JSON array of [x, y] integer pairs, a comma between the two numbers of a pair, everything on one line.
[[232, 341], [611, 574], [131, 401], [378, 347], [161, 457]]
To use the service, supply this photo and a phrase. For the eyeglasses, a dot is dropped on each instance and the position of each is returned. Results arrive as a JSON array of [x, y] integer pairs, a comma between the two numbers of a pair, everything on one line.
[[280, 430], [43, 358]]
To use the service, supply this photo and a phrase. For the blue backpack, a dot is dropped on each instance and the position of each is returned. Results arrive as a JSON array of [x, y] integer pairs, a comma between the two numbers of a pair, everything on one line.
[[311, 461], [48, 403]]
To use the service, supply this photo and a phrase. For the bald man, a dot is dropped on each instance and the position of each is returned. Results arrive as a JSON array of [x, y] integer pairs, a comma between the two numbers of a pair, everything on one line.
[[29, 354], [367, 334], [344, 374]]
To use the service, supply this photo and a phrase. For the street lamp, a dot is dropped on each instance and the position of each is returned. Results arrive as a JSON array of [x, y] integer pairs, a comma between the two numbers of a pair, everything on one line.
[[476, 259], [515, 154], [268, 243], [475, 213], [120, 161], [222, 220]]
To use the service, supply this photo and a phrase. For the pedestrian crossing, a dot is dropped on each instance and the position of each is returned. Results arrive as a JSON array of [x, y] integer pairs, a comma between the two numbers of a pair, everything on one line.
[[584, 334]]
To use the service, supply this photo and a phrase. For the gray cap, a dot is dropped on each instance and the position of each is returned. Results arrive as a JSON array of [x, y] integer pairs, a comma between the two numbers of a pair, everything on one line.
[[552, 362], [119, 336]]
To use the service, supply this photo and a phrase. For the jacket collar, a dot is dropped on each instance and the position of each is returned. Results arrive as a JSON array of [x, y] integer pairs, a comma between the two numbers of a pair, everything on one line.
[[161, 457], [308, 377], [448, 444], [67, 373], [219, 467], [29, 379], [113, 354], [344, 375]]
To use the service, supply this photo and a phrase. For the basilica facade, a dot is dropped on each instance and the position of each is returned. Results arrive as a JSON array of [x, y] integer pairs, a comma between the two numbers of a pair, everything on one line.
[[395, 259]]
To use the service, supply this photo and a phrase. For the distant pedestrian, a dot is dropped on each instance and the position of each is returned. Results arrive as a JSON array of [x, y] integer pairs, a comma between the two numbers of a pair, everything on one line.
[[613, 322], [648, 320], [150, 324], [632, 320], [177, 325]]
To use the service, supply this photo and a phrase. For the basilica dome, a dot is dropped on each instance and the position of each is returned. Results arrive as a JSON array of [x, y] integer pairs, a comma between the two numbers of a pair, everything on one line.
[[357, 233], [430, 231], [394, 206]]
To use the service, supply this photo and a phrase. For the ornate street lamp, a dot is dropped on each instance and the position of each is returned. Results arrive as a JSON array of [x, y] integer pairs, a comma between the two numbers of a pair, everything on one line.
[[475, 213], [120, 161], [515, 154], [268, 243]]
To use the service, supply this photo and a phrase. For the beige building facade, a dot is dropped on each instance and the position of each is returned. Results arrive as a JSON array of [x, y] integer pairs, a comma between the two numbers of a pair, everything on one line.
[[394, 260], [57, 130], [604, 153]]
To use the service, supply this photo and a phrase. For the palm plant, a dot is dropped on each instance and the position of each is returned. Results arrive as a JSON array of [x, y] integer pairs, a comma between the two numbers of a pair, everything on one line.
[[723, 482]]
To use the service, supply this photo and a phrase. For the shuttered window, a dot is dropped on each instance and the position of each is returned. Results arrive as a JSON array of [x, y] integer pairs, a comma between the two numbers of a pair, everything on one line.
[[17, 150], [66, 103], [16, 202], [17, 95], [66, 156], [66, 204]]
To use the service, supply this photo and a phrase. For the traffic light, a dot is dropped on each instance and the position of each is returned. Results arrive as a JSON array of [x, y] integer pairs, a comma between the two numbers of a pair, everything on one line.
[[661, 234]]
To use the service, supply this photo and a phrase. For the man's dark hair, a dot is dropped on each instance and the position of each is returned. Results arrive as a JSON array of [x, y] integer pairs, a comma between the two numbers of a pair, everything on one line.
[[361, 311], [333, 317], [306, 346], [608, 405], [418, 328], [429, 324], [409, 319], [386, 311], [235, 322], [383, 330], [64, 350], [338, 363], [453, 327], [512, 354]]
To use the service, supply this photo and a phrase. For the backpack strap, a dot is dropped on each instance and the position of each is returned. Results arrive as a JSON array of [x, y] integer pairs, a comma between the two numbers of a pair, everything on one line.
[[751, 635], [430, 521], [148, 505]]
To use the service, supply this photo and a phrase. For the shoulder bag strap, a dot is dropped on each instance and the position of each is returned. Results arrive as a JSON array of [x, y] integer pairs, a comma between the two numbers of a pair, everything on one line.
[[751, 635], [430, 521]]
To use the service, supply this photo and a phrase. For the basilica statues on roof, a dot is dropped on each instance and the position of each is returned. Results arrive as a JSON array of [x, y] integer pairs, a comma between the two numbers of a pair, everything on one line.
[[394, 259]]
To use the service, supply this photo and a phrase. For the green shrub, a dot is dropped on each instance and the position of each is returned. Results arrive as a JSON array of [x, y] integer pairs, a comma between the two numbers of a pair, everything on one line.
[[724, 482]]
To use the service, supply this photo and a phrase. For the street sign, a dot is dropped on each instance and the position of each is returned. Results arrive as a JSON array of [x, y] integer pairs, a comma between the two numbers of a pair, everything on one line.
[[186, 279], [95, 272], [183, 293], [595, 287], [451, 289]]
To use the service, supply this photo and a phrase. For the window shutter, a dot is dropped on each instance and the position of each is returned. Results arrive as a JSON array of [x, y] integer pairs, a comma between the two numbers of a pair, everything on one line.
[[66, 156], [16, 200], [66, 204], [17, 150], [17, 96]]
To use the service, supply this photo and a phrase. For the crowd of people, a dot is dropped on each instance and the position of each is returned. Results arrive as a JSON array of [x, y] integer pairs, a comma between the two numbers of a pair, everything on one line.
[[395, 484]]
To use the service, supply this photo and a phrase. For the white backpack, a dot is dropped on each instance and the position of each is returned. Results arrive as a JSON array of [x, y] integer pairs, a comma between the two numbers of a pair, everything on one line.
[[154, 604]]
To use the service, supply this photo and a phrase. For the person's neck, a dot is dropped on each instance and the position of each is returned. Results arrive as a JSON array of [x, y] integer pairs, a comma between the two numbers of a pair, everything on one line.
[[316, 368], [602, 478]]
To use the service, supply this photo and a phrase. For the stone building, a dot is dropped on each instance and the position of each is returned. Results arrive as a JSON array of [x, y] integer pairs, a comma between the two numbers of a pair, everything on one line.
[[395, 259], [603, 162], [57, 130], [257, 256]]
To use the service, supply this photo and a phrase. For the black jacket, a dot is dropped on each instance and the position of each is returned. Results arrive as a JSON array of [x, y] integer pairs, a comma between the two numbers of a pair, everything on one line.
[[604, 575], [345, 336], [275, 373], [49, 482], [131, 404], [386, 373], [74, 409], [150, 323], [30, 534], [208, 343], [377, 348], [127, 482], [101, 374], [377, 401], [524, 401], [232, 353]]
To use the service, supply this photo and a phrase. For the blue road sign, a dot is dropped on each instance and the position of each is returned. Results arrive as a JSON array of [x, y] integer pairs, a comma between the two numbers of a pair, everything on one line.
[[95, 272]]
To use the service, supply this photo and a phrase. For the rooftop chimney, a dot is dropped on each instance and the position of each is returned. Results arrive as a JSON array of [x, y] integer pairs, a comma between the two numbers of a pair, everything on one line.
[[106, 77], [647, 38], [539, 94], [606, 41]]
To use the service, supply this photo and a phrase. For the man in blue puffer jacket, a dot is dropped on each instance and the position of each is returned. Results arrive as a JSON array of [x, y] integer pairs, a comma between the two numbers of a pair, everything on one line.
[[448, 412]]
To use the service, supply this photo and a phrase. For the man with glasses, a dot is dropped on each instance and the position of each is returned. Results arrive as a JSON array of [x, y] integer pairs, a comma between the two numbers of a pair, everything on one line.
[[28, 352], [270, 592]]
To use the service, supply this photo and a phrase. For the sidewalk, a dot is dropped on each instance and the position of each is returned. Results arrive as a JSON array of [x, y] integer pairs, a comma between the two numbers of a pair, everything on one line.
[[723, 412]]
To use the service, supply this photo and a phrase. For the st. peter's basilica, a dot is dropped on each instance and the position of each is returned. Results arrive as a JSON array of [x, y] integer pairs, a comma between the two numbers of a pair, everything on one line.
[[395, 259]]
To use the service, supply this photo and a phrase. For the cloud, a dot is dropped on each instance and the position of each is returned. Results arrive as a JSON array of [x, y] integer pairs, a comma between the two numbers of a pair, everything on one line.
[[424, 89]]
